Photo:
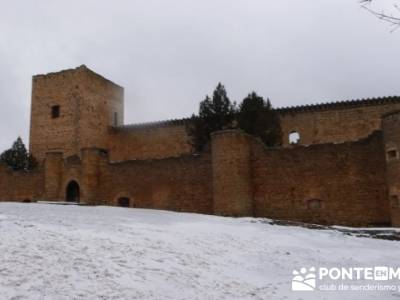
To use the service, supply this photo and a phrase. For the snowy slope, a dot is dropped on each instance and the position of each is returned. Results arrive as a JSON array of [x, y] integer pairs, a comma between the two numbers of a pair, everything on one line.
[[71, 252]]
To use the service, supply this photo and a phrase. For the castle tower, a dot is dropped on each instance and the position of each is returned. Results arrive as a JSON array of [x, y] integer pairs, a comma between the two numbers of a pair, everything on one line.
[[232, 191], [71, 110], [391, 135]]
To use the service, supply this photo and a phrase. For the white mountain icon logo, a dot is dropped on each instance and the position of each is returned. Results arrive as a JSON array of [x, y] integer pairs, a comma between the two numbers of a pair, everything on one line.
[[305, 280]]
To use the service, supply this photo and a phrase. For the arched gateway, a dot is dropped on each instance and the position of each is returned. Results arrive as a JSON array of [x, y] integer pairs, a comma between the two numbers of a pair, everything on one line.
[[72, 192], [124, 202]]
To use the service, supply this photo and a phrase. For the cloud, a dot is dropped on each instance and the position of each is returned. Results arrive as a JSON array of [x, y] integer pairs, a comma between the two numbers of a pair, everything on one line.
[[169, 54]]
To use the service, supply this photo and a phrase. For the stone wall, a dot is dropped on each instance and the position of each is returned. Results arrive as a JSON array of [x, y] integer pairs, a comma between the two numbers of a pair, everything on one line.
[[319, 124], [232, 186], [178, 184], [336, 122], [326, 184], [342, 184], [20, 186], [148, 142], [391, 130]]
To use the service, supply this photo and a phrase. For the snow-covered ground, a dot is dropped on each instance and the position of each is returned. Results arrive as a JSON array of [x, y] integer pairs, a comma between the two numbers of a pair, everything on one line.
[[71, 252]]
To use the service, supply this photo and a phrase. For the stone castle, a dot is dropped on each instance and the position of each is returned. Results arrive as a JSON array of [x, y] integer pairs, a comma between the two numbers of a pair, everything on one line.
[[339, 162]]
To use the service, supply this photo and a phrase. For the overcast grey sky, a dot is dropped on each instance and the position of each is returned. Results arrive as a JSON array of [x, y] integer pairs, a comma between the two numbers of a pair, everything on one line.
[[169, 54]]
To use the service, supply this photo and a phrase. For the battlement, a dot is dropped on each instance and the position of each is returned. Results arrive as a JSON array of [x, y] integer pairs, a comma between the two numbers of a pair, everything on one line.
[[72, 71], [61, 72], [335, 122], [319, 107], [339, 105]]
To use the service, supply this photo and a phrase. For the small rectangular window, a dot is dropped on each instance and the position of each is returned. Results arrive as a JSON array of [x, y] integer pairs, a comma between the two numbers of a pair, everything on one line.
[[391, 154], [314, 204], [55, 111]]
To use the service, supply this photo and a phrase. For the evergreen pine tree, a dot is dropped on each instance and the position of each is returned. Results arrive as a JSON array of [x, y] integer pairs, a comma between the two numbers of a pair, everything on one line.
[[214, 114], [18, 157], [256, 117]]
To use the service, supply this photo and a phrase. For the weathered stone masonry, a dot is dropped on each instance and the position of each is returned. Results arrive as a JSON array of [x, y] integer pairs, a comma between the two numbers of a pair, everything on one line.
[[345, 168]]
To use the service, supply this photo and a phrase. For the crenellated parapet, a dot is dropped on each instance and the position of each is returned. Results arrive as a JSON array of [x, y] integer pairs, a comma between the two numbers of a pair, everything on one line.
[[347, 104]]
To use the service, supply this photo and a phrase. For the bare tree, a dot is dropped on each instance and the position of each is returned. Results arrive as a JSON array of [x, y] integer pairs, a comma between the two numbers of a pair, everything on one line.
[[392, 18]]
